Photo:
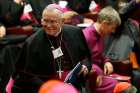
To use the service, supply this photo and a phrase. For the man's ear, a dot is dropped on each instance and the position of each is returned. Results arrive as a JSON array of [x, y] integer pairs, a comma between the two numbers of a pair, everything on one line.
[[105, 23]]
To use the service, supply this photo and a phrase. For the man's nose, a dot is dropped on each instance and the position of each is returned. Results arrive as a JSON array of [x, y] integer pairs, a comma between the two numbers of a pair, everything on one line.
[[49, 25], [113, 31]]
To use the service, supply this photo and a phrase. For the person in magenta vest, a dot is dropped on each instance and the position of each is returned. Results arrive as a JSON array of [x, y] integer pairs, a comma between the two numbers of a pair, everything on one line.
[[107, 21]]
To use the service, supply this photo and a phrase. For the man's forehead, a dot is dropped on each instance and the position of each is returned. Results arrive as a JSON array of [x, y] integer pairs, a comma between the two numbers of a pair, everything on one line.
[[51, 14], [47, 18], [54, 17]]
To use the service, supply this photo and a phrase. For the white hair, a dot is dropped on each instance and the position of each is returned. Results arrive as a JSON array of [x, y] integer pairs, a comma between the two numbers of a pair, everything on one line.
[[109, 14], [53, 9]]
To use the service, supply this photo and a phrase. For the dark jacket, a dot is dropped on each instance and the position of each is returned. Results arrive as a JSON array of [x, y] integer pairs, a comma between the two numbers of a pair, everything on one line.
[[10, 13], [122, 31], [36, 59]]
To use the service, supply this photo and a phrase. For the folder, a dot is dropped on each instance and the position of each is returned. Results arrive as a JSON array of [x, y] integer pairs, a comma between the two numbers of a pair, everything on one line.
[[73, 76]]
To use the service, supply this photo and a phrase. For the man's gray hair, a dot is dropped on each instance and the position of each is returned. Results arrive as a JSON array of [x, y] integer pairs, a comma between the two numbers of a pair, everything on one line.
[[54, 9], [109, 14]]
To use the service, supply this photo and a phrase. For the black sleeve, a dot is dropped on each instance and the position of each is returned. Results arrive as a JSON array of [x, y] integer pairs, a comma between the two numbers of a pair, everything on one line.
[[87, 60], [21, 59]]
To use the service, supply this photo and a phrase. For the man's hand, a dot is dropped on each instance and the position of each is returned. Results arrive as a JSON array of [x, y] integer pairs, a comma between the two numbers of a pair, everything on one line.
[[99, 80], [84, 70], [108, 68], [2, 31]]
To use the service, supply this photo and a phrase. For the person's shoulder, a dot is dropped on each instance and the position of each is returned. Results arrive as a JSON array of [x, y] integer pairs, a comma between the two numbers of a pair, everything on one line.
[[71, 29], [34, 35], [66, 26]]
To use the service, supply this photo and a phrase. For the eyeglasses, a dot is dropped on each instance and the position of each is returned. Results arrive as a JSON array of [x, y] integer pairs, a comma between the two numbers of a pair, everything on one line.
[[53, 22]]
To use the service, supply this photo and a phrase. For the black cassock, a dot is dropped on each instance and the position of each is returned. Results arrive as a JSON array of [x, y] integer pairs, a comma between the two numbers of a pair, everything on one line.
[[37, 64]]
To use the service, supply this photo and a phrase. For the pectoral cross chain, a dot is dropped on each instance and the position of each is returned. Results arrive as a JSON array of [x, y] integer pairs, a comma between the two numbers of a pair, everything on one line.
[[60, 73]]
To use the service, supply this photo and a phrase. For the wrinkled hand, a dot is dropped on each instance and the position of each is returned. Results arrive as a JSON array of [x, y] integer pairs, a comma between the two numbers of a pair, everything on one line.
[[84, 70], [99, 80], [2, 31], [108, 68]]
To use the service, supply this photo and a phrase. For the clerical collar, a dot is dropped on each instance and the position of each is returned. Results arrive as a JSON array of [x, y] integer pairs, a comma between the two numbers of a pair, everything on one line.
[[96, 29], [58, 33], [55, 41]]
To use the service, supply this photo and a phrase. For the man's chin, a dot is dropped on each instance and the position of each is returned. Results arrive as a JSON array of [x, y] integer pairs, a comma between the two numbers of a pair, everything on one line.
[[51, 34]]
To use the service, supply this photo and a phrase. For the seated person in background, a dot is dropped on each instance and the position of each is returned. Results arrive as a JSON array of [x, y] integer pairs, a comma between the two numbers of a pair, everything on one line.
[[126, 34], [80, 6], [38, 6], [108, 19], [50, 53], [124, 13], [73, 18], [56, 86], [11, 12], [124, 44], [119, 3]]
